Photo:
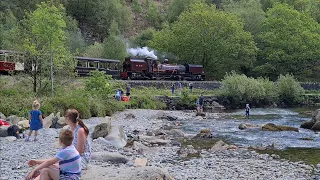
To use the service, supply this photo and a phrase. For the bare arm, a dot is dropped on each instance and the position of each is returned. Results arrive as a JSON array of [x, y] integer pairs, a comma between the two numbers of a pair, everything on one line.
[[81, 140], [47, 163], [44, 164], [40, 117]]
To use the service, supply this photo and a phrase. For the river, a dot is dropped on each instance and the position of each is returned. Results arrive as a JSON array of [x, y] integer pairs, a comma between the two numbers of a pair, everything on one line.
[[228, 129]]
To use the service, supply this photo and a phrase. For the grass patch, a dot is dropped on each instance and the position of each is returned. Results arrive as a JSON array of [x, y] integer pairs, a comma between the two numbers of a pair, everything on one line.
[[308, 155], [199, 144]]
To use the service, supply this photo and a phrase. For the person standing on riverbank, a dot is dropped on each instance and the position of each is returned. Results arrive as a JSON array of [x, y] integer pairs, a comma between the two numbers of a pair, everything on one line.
[[35, 120], [172, 88], [247, 111], [201, 99], [190, 87], [128, 89], [180, 87]]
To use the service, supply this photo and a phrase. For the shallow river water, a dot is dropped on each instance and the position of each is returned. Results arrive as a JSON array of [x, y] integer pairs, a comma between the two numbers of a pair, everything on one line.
[[228, 129]]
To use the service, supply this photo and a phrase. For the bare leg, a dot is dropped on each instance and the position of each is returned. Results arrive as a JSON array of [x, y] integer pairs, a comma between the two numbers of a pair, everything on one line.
[[30, 132], [49, 173], [35, 135]]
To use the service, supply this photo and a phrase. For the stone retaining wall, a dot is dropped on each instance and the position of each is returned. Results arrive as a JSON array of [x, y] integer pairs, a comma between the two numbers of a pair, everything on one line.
[[208, 85]]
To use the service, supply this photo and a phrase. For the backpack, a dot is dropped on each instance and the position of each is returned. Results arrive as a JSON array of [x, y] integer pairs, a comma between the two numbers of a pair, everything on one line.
[[13, 131]]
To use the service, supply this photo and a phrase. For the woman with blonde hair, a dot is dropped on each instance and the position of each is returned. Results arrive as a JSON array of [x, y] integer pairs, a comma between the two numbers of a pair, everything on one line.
[[35, 120]]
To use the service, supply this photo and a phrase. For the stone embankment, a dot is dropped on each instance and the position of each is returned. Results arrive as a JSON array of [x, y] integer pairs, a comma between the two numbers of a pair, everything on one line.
[[207, 85], [146, 145]]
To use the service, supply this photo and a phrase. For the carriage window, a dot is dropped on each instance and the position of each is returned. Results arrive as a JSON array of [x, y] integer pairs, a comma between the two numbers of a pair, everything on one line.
[[82, 64], [93, 64], [103, 65]]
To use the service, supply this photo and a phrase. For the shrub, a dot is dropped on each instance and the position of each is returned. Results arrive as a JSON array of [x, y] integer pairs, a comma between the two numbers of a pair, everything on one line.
[[186, 101], [146, 102], [289, 90], [98, 83], [240, 89]]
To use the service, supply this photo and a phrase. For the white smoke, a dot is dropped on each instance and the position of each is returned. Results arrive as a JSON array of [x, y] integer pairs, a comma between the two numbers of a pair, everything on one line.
[[142, 52]]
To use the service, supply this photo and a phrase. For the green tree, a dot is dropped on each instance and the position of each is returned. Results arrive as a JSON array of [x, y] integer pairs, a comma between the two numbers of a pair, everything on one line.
[[210, 37], [290, 42], [144, 37], [114, 46], [249, 10], [95, 50], [45, 43], [95, 17], [176, 7]]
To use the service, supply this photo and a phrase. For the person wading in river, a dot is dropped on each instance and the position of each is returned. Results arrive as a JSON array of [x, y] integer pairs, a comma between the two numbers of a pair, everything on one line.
[[247, 111]]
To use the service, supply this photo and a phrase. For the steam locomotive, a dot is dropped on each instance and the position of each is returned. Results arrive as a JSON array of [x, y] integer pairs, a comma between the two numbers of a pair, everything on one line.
[[133, 68], [147, 68]]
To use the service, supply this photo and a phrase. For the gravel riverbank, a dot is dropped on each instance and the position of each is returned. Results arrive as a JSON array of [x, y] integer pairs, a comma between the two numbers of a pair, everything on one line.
[[225, 164]]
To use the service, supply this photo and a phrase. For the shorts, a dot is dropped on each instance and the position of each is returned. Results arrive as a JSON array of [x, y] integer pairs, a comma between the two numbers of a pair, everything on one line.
[[67, 176], [127, 94]]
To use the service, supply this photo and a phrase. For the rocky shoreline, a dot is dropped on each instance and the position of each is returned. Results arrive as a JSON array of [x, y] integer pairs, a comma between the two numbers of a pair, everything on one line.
[[153, 150]]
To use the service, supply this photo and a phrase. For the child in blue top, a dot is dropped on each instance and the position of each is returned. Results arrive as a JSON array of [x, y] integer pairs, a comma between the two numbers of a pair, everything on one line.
[[35, 120], [69, 161]]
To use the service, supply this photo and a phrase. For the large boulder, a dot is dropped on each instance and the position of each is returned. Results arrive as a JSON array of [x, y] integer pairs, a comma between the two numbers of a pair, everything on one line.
[[13, 119], [47, 122], [61, 122], [116, 136], [101, 130], [109, 157], [136, 173], [24, 123], [55, 120], [313, 124], [273, 127]]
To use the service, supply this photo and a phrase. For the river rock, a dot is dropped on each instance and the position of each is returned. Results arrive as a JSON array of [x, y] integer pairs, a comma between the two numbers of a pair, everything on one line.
[[55, 120], [47, 122], [13, 119], [307, 125], [242, 126], [101, 130], [187, 151], [316, 126], [140, 162], [116, 136], [2, 116], [177, 133], [219, 146], [273, 127], [315, 119], [4, 131], [132, 173], [204, 134], [24, 123], [109, 157]]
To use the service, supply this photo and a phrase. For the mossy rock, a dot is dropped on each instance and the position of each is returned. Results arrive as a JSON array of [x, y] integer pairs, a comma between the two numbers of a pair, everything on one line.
[[273, 127]]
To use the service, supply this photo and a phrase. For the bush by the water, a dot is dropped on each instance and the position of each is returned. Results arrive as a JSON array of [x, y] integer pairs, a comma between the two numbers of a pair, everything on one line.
[[289, 90], [238, 89]]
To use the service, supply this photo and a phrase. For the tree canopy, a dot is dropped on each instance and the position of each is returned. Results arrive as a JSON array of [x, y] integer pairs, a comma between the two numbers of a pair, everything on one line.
[[210, 37], [290, 43]]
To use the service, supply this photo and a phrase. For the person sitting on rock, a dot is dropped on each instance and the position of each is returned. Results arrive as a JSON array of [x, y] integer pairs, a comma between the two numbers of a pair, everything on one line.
[[35, 120], [81, 133], [69, 161]]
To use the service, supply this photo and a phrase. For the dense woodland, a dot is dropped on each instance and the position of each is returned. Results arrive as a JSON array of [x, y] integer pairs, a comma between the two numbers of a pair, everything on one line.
[[254, 37]]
